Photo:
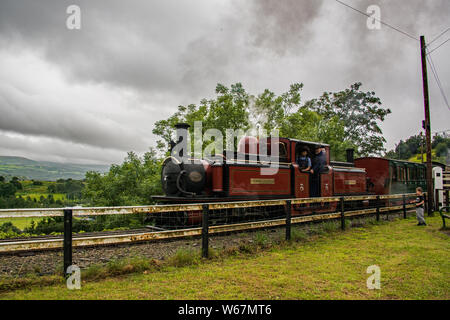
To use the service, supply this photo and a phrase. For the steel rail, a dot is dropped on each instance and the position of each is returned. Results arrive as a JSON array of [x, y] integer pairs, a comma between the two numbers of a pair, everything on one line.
[[95, 211], [126, 238]]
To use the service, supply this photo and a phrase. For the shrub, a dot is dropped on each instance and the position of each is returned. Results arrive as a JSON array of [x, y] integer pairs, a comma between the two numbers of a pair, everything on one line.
[[298, 235], [261, 239], [8, 227], [184, 257]]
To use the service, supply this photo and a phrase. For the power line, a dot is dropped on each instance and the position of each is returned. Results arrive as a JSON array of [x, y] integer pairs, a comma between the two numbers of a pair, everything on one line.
[[438, 36], [428, 57], [438, 81], [439, 45], [382, 22]]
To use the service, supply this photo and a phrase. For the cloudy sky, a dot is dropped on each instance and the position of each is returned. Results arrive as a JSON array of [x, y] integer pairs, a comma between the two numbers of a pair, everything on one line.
[[91, 95]]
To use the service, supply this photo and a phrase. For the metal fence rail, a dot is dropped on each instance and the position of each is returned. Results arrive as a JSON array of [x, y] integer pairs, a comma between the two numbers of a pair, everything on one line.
[[208, 212]]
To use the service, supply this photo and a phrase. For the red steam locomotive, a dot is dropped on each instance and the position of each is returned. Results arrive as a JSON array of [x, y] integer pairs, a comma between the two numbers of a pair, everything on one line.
[[240, 177]]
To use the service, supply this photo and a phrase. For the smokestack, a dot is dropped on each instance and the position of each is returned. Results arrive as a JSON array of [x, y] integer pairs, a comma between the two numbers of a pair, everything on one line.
[[350, 155], [181, 140]]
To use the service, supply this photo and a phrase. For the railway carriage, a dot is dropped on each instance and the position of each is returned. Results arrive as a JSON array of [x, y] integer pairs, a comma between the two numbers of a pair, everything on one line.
[[388, 176]]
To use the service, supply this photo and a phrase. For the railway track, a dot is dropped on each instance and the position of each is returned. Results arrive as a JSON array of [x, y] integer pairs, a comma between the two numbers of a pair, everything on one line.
[[50, 242], [91, 239], [75, 235]]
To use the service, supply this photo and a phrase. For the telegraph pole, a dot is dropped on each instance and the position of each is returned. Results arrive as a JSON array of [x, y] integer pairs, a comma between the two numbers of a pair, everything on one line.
[[421, 146], [427, 124]]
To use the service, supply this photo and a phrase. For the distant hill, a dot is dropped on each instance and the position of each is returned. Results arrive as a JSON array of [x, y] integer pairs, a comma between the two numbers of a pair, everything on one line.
[[43, 170]]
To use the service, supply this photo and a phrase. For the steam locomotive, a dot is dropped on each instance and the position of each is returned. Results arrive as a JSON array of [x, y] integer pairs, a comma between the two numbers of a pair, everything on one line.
[[238, 176]]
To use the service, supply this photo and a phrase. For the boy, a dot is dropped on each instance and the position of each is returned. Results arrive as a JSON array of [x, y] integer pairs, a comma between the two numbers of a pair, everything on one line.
[[420, 200], [304, 162]]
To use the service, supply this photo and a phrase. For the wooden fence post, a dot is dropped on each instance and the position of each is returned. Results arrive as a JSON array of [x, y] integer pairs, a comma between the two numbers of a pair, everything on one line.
[[67, 240], [404, 207], [342, 213], [447, 200], [288, 220], [205, 230], [377, 205]]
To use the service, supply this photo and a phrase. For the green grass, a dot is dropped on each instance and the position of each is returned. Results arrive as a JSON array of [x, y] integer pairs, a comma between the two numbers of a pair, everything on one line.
[[414, 262], [36, 191], [37, 196], [20, 223], [418, 157]]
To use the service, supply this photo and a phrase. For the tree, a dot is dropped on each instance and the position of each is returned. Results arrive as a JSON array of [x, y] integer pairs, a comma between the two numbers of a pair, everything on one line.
[[343, 119], [131, 183], [360, 112], [441, 149], [229, 110], [293, 120], [16, 183], [7, 190], [415, 145]]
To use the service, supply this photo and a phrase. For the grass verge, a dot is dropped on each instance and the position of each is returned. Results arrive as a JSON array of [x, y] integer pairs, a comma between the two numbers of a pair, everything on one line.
[[320, 263]]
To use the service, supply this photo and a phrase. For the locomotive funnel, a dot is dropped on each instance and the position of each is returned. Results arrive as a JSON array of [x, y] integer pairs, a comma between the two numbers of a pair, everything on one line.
[[181, 140]]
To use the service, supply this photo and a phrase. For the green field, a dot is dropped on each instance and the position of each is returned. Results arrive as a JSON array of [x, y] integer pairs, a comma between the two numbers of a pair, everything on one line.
[[414, 262], [37, 196], [44, 170], [20, 223], [36, 191]]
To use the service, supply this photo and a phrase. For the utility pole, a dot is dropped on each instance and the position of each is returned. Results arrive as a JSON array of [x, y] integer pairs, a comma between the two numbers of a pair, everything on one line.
[[427, 124], [421, 146]]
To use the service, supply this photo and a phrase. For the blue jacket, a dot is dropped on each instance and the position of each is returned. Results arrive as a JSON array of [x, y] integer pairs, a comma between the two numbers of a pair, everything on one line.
[[304, 162]]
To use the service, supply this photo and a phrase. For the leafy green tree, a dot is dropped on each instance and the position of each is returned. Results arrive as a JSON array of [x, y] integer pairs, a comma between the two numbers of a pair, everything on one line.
[[293, 120], [343, 119], [131, 183], [437, 139], [15, 181], [271, 111], [229, 110], [404, 150], [441, 149], [360, 112], [7, 190]]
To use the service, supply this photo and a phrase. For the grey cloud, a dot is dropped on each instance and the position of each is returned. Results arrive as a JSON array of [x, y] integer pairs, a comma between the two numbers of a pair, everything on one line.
[[52, 149], [133, 45], [282, 25], [170, 52], [26, 114]]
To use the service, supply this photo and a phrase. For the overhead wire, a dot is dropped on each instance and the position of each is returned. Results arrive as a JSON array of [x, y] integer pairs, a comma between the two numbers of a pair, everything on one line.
[[438, 80], [379, 20]]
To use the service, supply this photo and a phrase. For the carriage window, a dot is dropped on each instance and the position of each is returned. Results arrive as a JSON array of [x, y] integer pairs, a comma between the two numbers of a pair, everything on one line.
[[394, 173], [282, 150], [402, 174]]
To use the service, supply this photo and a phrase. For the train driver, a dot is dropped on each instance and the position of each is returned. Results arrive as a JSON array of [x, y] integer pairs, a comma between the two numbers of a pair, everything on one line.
[[304, 161], [318, 166]]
